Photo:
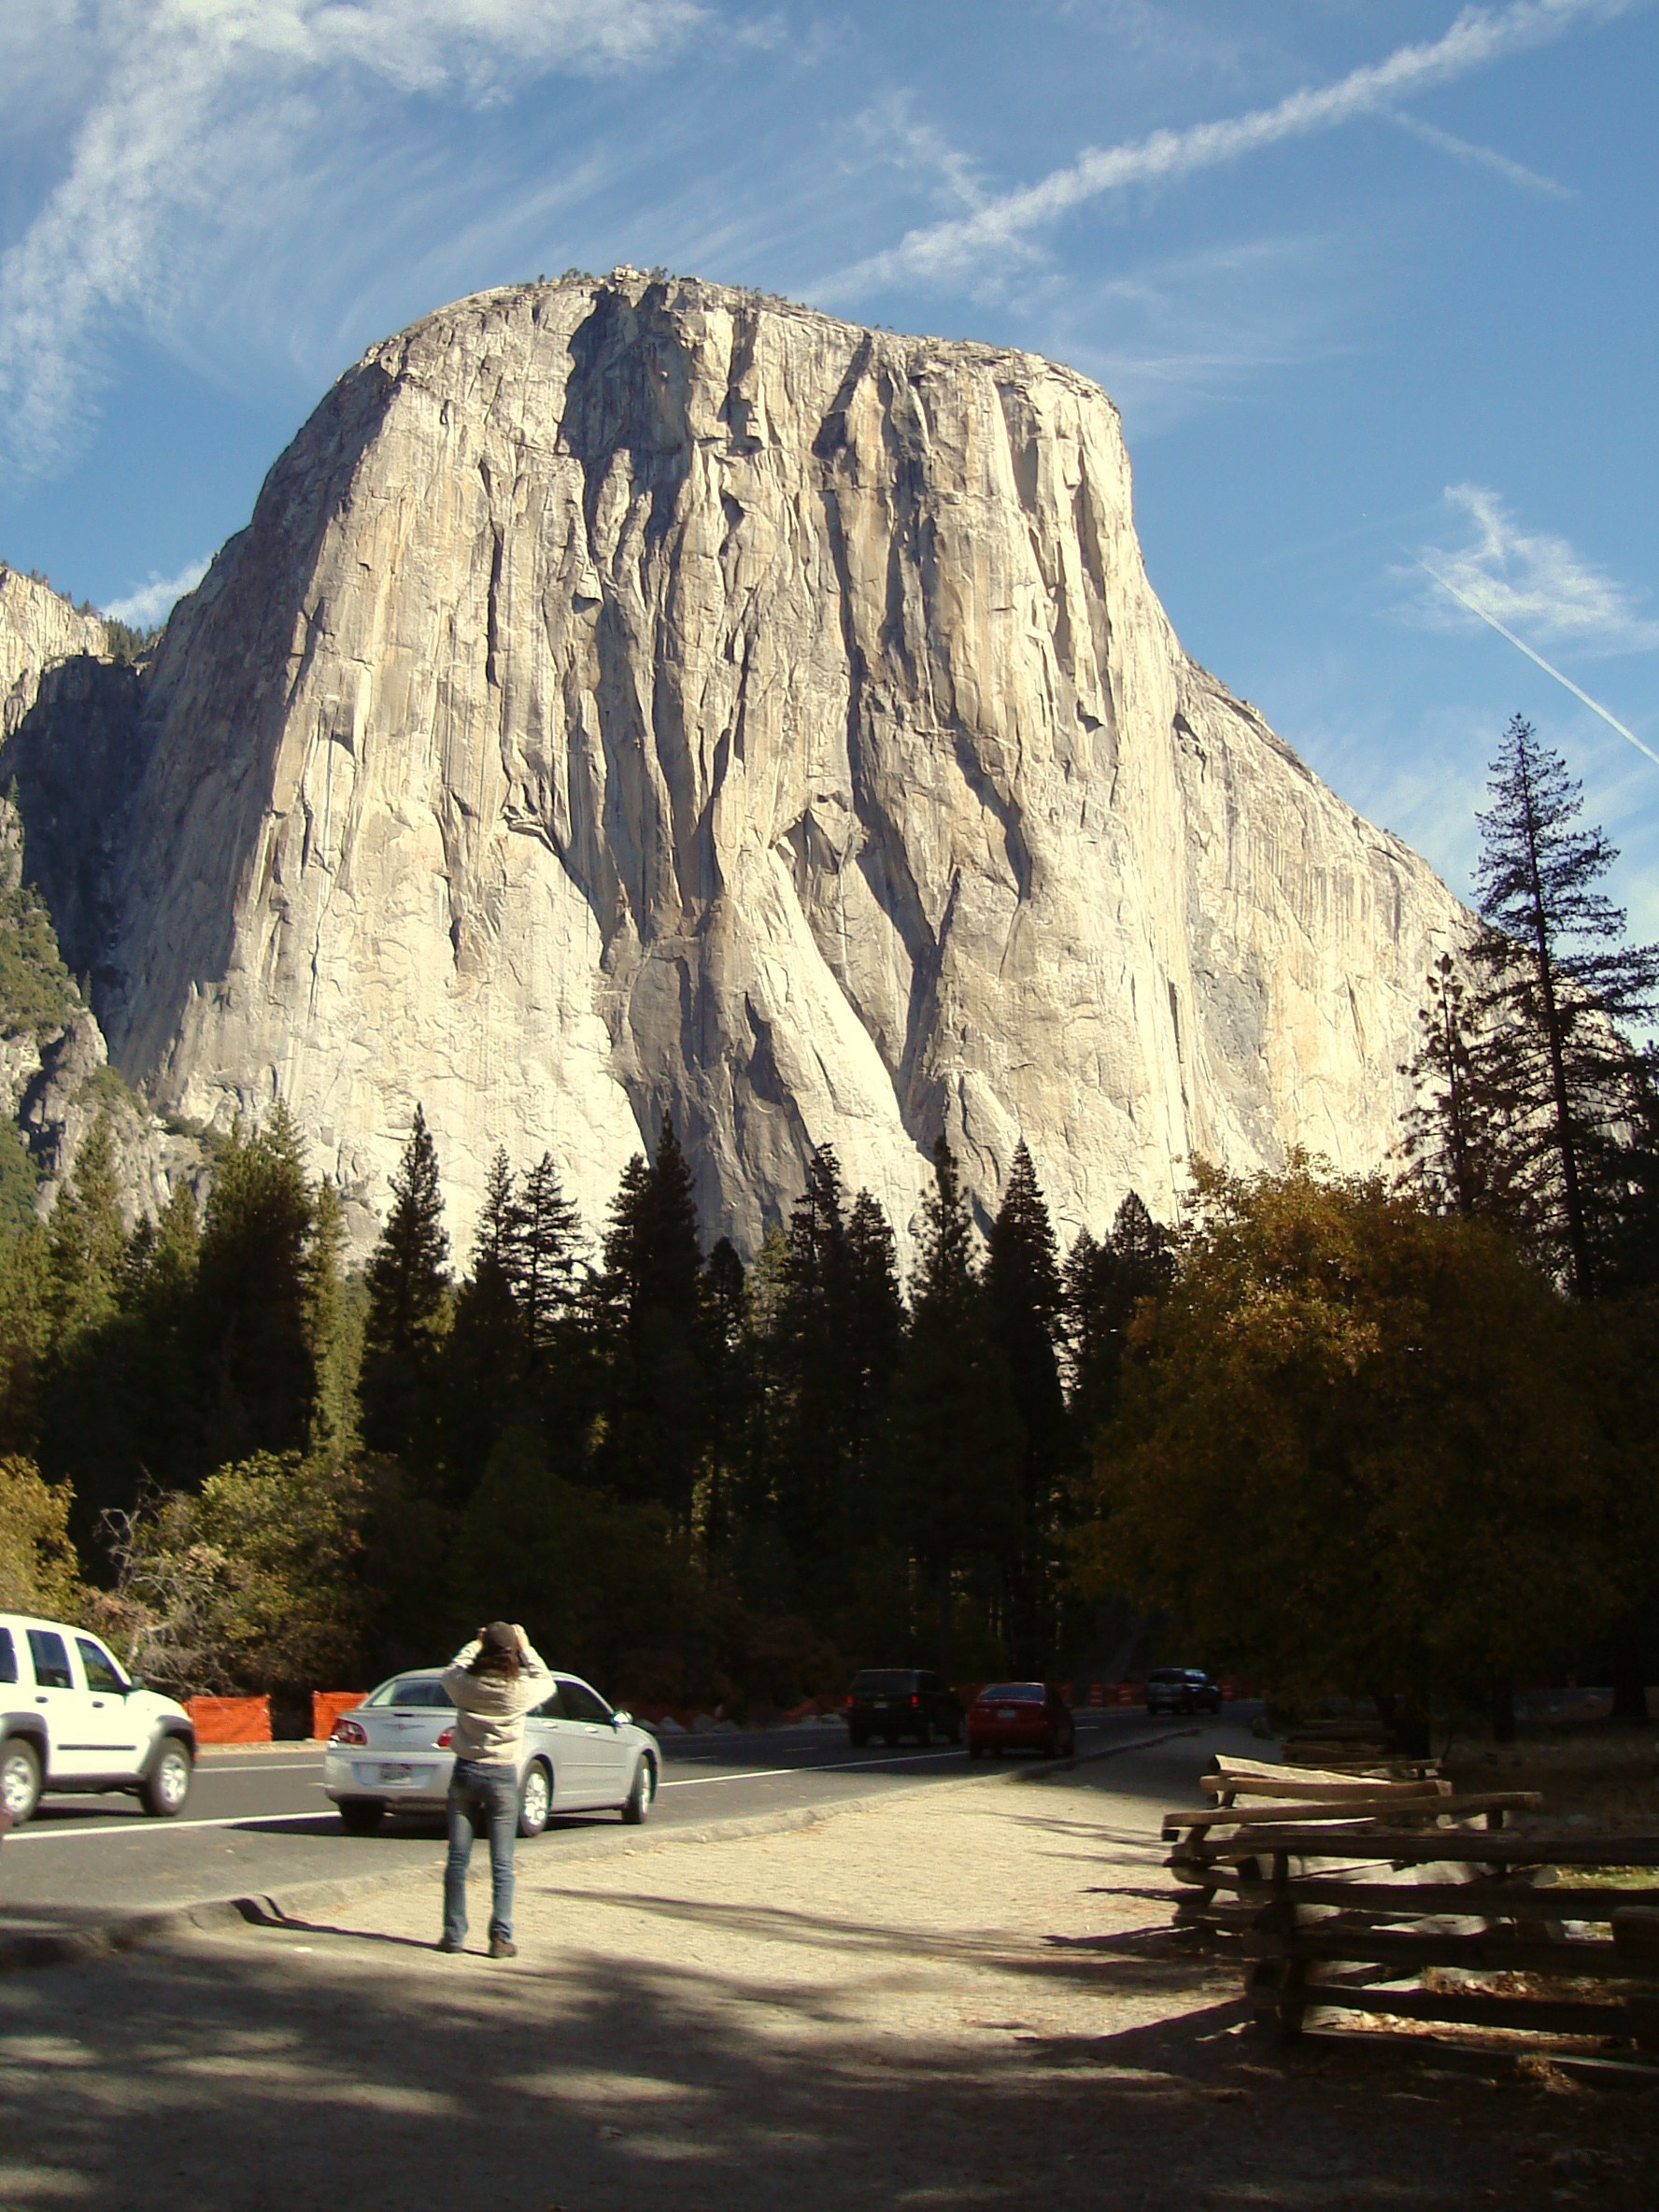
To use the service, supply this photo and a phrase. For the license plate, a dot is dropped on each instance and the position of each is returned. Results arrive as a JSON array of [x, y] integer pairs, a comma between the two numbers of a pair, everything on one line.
[[880, 1704], [397, 1774], [1006, 1712]]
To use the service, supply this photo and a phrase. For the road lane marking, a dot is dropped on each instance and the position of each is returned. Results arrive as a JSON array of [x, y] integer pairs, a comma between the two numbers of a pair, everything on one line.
[[53, 1833]]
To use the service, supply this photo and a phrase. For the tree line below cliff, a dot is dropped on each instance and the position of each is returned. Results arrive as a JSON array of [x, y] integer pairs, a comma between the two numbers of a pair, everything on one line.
[[1387, 1437]]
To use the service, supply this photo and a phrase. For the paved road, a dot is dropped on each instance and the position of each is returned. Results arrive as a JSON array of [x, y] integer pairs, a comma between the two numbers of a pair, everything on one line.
[[257, 1819]]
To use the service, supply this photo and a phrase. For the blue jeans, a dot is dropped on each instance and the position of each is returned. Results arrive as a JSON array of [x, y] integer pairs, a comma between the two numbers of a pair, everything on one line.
[[493, 1791]]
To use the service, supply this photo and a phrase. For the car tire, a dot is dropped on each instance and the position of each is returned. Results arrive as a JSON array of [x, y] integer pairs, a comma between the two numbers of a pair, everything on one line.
[[954, 1729], [167, 1782], [636, 1807], [976, 1750], [20, 1778], [535, 1798], [857, 1737], [924, 1733], [360, 1816]]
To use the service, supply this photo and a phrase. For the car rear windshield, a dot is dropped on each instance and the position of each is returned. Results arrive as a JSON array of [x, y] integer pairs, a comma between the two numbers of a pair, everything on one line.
[[1013, 1694], [1167, 1674], [421, 1690], [885, 1678]]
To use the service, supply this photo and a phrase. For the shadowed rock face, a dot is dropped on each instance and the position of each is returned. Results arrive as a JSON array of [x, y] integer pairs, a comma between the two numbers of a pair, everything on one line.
[[635, 697]]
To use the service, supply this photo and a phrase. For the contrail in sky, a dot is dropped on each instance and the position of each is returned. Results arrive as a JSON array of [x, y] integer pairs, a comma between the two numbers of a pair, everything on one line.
[[1475, 608]]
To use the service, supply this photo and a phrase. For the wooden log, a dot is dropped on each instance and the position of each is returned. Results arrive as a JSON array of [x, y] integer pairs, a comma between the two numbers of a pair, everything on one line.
[[1479, 2008], [1355, 1808], [1421, 1845], [1411, 1951], [1325, 1790], [1635, 1923], [1494, 1900], [1341, 1771]]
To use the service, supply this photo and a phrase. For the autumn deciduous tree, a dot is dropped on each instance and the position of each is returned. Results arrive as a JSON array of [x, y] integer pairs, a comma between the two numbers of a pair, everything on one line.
[[1351, 1455], [39, 1572]]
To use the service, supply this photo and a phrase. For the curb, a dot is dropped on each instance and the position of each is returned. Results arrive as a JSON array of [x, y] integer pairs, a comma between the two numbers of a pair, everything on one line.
[[289, 1906]]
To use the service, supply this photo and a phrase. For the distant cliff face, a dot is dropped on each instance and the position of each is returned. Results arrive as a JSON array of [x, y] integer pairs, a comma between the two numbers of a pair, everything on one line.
[[38, 629], [635, 697]]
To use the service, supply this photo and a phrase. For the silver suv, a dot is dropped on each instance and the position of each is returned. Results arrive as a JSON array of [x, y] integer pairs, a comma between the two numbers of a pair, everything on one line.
[[72, 1720]]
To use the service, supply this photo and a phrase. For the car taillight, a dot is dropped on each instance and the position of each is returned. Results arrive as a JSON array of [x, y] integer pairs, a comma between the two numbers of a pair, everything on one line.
[[347, 1730], [849, 1697], [914, 1698], [445, 1739]]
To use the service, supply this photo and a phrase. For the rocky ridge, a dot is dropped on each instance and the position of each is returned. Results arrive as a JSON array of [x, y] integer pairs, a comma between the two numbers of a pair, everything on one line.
[[633, 696], [38, 630]]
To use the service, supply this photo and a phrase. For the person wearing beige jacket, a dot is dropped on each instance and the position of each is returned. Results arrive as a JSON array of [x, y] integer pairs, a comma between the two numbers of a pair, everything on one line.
[[493, 1683]]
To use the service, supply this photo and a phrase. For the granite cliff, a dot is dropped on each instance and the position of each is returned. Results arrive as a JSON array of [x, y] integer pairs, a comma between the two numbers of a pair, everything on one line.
[[39, 629], [634, 696]]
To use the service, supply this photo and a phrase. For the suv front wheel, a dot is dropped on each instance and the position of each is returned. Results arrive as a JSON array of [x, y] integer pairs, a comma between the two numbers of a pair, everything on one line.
[[20, 1778], [167, 1781]]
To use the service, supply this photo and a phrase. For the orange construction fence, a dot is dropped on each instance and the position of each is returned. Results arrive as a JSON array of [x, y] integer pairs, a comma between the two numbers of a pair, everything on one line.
[[326, 1707], [230, 1720]]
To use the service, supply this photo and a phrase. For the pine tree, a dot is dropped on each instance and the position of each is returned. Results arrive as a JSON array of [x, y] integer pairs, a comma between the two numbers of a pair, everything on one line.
[[1457, 1139], [809, 1384], [1023, 1288], [1561, 991], [408, 1312], [651, 1329], [734, 1399], [257, 1364], [1105, 1283], [334, 1324], [161, 1394], [955, 1436], [86, 1241], [545, 1254], [486, 1360]]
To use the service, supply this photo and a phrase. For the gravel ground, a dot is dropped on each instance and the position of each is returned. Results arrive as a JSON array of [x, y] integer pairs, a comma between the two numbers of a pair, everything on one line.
[[964, 1996]]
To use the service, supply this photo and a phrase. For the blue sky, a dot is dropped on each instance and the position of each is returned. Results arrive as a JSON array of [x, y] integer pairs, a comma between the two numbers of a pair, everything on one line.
[[1373, 284]]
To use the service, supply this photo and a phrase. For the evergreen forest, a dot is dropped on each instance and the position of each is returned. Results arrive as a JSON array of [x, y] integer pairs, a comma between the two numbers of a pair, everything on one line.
[[1391, 1437]]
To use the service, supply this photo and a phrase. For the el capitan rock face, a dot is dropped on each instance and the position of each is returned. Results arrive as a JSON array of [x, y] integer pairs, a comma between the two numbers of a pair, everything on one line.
[[636, 696]]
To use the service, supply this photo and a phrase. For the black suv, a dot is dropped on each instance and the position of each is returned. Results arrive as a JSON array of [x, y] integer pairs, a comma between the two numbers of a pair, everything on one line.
[[1182, 1689], [895, 1701]]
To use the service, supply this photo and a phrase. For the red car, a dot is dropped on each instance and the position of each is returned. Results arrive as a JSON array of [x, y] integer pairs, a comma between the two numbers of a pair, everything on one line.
[[1020, 1717]]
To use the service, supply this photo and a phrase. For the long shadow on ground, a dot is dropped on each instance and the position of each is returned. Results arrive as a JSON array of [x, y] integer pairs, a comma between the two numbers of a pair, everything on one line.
[[288, 2066]]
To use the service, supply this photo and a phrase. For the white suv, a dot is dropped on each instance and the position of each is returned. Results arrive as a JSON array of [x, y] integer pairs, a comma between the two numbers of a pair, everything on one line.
[[72, 1720]]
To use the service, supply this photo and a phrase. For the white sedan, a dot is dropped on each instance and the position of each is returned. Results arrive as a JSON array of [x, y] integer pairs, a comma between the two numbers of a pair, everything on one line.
[[392, 1754]]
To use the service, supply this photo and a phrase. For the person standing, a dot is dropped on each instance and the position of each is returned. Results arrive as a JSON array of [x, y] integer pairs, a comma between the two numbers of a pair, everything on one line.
[[493, 1682]]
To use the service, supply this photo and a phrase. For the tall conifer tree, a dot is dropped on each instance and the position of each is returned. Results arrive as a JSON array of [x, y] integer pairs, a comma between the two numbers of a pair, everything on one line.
[[1562, 991], [257, 1362], [485, 1358], [955, 1433], [1023, 1291], [1105, 1283], [653, 1333], [408, 1312]]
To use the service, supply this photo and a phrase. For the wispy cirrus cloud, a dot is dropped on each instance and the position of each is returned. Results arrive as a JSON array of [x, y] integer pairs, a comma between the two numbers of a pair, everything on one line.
[[152, 603], [1529, 579], [1000, 229], [1481, 157], [199, 118]]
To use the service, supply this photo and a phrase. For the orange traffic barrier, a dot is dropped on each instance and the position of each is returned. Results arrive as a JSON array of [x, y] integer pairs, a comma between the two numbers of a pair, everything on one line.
[[326, 1707], [230, 1720]]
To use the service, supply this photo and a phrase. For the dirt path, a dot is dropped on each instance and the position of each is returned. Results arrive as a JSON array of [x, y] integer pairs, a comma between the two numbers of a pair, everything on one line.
[[960, 1997]]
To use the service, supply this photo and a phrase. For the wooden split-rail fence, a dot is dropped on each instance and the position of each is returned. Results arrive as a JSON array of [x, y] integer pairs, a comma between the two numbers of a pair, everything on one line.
[[1387, 1892]]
